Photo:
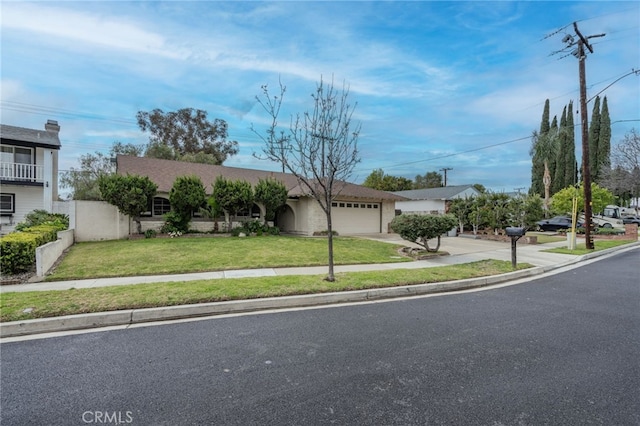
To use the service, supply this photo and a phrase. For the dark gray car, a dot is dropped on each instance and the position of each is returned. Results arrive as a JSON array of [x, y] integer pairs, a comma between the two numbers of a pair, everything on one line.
[[555, 223]]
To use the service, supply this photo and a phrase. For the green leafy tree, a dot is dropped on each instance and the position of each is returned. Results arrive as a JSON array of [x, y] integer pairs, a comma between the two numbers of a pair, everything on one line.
[[272, 194], [461, 208], [375, 180], [525, 210], [479, 187], [500, 212], [383, 182], [187, 195], [428, 180], [420, 229], [480, 214], [232, 196], [131, 194], [187, 135], [563, 200], [83, 180]]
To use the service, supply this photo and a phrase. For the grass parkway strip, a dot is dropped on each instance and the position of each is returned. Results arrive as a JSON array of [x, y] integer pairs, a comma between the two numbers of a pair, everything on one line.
[[20, 306]]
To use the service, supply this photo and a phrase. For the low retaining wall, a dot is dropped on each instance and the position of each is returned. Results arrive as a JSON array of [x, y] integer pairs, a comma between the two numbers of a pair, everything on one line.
[[48, 254]]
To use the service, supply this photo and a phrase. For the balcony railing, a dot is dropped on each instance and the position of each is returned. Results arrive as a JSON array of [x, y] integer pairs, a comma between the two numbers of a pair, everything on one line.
[[22, 172]]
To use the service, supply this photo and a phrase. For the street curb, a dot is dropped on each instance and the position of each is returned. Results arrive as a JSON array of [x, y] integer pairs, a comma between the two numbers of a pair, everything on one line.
[[138, 316]]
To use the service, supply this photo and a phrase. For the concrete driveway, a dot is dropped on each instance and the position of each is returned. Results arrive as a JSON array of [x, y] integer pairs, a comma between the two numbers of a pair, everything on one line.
[[452, 245]]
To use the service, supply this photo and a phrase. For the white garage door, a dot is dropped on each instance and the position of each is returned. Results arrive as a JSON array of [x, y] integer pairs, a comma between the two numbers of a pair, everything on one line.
[[355, 218]]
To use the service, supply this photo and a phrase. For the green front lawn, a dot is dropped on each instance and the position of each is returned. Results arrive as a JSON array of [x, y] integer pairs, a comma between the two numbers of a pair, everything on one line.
[[155, 256], [45, 304], [582, 248]]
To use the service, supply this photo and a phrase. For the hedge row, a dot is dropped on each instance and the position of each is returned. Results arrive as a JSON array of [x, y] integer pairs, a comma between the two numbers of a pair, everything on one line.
[[18, 249]]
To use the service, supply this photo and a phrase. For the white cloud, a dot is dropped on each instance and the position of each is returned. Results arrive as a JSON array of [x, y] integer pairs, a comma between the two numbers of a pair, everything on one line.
[[82, 28]]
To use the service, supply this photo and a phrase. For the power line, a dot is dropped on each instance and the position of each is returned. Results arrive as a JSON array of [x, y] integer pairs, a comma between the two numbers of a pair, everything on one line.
[[44, 110], [452, 154], [633, 71]]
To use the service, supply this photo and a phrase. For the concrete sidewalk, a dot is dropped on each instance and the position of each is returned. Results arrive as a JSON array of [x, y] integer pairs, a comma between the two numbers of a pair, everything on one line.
[[462, 250]]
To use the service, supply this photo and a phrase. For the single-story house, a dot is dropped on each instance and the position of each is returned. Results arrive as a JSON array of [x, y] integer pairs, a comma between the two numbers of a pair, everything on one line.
[[433, 200], [28, 171], [357, 209]]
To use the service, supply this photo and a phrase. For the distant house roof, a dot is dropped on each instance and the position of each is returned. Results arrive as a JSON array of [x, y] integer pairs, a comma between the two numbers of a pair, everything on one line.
[[443, 193], [47, 138], [164, 172]]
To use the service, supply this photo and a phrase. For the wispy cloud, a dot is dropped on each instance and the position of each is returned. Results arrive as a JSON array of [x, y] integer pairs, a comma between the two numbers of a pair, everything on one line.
[[81, 28]]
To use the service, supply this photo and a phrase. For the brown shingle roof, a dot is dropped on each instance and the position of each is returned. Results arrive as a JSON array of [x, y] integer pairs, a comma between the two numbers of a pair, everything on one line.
[[164, 172]]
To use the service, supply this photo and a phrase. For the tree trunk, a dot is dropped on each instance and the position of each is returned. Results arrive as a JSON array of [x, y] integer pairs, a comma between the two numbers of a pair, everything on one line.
[[437, 246], [331, 277]]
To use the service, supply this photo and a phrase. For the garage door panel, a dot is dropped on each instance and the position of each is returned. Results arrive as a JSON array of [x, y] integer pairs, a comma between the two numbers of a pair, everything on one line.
[[352, 218]]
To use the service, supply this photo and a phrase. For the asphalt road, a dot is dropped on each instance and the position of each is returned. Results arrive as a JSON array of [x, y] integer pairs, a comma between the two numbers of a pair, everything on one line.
[[562, 350]]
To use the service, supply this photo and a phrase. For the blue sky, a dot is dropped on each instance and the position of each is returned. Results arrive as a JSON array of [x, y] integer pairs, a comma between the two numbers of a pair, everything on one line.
[[437, 84]]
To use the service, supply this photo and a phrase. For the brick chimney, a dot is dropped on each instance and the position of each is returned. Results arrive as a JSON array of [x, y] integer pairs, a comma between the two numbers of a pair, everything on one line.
[[52, 126]]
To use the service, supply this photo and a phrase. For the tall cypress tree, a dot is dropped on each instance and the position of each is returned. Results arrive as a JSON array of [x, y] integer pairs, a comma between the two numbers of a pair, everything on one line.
[[594, 139], [558, 181], [537, 164], [571, 172], [604, 142], [552, 158]]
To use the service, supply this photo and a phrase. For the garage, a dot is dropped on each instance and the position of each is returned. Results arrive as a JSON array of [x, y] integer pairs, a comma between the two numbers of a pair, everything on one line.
[[350, 217]]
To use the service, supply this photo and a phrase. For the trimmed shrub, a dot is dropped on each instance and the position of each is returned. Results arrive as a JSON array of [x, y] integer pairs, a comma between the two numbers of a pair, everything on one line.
[[18, 252], [43, 217], [18, 249], [421, 228], [175, 222]]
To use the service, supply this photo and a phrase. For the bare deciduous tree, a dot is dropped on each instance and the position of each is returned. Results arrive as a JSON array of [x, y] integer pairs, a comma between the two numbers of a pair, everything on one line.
[[319, 148]]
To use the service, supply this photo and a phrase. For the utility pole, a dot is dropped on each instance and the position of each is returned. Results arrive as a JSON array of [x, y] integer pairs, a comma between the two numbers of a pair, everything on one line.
[[445, 174], [580, 53]]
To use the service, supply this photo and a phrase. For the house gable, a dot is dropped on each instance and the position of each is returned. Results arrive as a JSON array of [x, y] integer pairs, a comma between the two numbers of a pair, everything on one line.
[[433, 200]]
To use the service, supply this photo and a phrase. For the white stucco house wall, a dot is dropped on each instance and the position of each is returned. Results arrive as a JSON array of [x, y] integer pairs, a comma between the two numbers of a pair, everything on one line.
[[28, 171], [433, 200]]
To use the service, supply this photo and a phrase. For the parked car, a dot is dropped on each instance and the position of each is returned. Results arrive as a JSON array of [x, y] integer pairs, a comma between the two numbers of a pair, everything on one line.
[[555, 223], [631, 219]]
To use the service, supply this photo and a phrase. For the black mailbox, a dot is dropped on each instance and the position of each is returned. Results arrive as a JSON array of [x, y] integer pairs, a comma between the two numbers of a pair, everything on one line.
[[513, 231]]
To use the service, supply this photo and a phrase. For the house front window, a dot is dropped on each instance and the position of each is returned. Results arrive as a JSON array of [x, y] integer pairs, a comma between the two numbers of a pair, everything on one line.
[[7, 204], [161, 206]]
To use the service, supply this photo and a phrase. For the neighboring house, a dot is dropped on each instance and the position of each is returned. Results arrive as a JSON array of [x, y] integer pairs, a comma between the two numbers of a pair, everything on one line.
[[28, 171], [357, 209], [433, 200]]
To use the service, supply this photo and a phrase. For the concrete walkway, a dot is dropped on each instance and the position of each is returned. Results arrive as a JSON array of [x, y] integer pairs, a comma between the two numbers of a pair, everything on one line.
[[462, 250]]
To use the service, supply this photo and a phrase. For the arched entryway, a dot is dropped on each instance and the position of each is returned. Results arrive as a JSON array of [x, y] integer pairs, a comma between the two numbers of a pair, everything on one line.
[[286, 219]]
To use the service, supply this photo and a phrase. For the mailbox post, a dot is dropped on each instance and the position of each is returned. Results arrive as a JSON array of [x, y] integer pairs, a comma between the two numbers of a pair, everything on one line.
[[515, 233]]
